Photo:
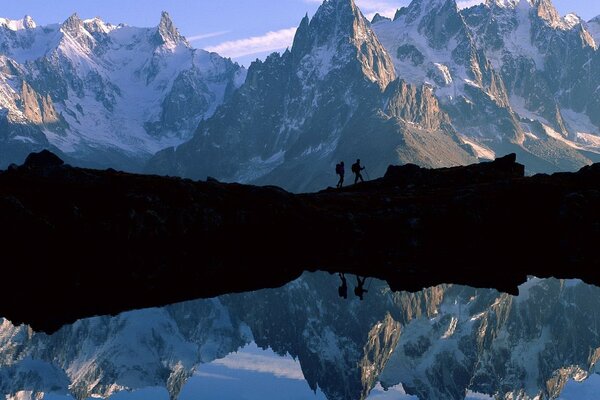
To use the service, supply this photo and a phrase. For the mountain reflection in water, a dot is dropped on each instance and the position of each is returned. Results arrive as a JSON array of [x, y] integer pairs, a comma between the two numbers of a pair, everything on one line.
[[303, 341]]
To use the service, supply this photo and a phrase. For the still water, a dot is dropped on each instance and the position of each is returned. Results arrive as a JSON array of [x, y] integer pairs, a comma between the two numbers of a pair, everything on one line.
[[303, 341]]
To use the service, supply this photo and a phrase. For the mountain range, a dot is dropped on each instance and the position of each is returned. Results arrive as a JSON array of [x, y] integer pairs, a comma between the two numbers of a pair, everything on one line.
[[104, 95], [436, 86]]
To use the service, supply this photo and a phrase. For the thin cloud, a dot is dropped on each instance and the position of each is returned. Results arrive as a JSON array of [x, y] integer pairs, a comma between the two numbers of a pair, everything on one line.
[[386, 8], [206, 36], [270, 41], [468, 3], [215, 376]]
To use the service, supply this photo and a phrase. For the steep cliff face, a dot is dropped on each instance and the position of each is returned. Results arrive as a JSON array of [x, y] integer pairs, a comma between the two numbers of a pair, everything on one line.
[[38, 109], [300, 113]]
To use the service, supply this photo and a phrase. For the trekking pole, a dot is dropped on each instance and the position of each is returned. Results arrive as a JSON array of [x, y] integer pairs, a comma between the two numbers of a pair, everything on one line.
[[366, 173]]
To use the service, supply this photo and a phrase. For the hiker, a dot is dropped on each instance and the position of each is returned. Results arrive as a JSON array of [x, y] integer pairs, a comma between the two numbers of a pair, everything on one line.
[[339, 169], [343, 289], [356, 168], [359, 290]]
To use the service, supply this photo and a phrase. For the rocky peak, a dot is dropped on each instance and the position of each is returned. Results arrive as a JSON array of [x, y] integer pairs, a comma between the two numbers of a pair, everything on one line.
[[340, 30], [96, 25], [546, 11], [28, 22], [502, 3], [167, 33], [593, 28], [73, 25], [437, 20], [378, 18]]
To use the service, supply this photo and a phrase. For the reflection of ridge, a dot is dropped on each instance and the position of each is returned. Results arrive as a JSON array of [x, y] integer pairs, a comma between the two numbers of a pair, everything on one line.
[[345, 349]]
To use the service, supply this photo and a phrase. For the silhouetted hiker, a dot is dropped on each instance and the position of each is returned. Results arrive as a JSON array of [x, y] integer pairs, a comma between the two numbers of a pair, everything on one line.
[[356, 168], [359, 290], [343, 289], [339, 169]]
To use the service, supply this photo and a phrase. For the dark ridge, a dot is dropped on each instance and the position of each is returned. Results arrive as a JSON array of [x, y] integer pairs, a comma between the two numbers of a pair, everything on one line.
[[79, 242]]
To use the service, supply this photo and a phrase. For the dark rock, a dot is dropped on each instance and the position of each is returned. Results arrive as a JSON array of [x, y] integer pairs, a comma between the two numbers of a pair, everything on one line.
[[151, 241], [43, 159], [378, 18], [502, 168]]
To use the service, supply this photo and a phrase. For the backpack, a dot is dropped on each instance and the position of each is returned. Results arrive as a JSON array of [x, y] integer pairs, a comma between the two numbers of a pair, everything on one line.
[[355, 168], [339, 169]]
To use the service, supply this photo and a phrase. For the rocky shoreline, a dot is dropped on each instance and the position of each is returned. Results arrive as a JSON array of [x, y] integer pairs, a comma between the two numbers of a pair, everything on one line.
[[79, 242]]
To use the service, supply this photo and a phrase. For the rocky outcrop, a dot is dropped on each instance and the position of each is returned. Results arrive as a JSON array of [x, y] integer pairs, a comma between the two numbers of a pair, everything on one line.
[[38, 109], [75, 233]]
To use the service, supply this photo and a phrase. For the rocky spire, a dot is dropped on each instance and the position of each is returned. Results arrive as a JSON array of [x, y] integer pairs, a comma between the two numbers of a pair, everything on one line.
[[378, 18], [167, 33], [546, 11], [72, 25], [340, 27], [302, 37]]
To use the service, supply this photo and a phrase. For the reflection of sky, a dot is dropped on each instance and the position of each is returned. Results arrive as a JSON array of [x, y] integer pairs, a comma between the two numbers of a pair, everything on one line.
[[256, 374], [250, 374]]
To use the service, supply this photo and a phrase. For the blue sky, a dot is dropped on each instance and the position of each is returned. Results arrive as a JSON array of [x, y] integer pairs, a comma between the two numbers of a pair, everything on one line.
[[231, 27]]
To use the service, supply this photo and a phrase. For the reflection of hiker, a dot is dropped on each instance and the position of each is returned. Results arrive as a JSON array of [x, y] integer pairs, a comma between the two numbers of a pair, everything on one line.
[[359, 290], [339, 169], [343, 290], [356, 168]]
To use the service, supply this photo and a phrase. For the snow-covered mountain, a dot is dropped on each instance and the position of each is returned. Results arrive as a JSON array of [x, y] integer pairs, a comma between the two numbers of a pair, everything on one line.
[[504, 76], [103, 94], [439, 343], [499, 70], [334, 96]]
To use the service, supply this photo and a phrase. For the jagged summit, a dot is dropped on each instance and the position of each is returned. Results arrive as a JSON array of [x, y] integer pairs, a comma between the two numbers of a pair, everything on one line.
[[339, 31], [593, 27], [167, 33], [546, 11], [15, 25], [543, 9], [504, 3], [378, 17], [104, 94], [72, 24]]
